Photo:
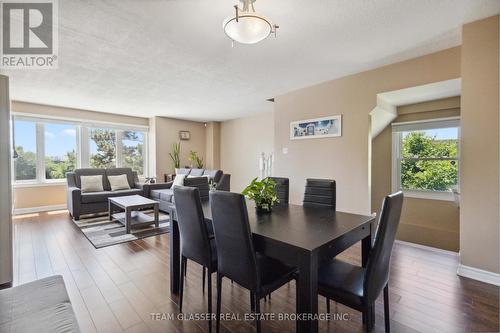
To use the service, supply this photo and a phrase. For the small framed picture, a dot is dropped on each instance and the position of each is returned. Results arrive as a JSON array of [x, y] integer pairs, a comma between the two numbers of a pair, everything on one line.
[[325, 127], [184, 135]]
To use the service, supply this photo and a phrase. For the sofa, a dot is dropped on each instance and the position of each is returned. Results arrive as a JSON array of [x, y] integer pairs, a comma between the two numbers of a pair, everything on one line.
[[38, 306], [97, 202], [200, 178]]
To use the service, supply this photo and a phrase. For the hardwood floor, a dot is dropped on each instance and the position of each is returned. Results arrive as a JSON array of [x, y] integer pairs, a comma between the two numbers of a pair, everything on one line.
[[118, 288]]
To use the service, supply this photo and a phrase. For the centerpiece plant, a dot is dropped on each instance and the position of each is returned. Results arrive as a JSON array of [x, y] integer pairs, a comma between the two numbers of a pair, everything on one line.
[[263, 193]]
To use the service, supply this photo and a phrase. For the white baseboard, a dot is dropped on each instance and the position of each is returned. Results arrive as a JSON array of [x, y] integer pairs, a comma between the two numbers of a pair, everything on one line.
[[31, 210], [479, 274], [428, 248]]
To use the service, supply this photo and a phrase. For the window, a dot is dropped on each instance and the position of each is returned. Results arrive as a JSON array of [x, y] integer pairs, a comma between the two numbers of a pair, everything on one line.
[[60, 150], [102, 148], [47, 149], [426, 158], [132, 144], [25, 165]]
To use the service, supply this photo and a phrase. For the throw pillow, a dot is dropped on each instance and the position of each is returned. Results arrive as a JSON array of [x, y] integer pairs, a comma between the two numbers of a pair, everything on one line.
[[178, 180], [91, 183], [119, 182]]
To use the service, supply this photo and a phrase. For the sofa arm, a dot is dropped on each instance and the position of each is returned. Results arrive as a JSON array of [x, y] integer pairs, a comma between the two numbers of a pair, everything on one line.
[[147, 188], [74, 199], [224, 183]]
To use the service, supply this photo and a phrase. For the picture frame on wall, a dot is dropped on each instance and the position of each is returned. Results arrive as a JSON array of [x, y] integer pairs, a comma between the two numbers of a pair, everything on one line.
[[325, 127], [184, 135]]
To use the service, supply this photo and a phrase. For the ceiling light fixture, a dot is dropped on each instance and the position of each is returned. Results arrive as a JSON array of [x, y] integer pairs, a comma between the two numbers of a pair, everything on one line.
[[248, 26]]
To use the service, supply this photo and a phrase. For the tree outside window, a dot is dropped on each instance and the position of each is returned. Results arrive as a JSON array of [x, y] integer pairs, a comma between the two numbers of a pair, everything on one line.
[[102, 148]]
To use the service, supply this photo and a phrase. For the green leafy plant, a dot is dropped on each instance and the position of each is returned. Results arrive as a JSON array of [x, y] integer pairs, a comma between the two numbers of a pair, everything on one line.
[[193, 157], [175, 155], [263, 193]]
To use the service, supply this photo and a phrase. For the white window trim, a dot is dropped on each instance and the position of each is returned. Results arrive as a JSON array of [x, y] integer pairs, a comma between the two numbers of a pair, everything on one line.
[[82, 145], [396, 157]]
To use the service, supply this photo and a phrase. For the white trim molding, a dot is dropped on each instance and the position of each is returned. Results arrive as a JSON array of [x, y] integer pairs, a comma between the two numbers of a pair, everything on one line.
[[428, 248], [479, 274], [39, 209]]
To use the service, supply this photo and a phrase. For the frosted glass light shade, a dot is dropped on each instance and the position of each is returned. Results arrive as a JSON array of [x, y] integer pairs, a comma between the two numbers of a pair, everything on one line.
[[250, 28]]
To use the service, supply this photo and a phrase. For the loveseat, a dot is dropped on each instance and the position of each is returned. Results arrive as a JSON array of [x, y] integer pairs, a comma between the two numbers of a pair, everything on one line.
[[200, 178], [80, 203]]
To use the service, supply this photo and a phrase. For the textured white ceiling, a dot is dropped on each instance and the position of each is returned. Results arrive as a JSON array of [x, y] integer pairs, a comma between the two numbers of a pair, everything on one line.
[[171, 58]]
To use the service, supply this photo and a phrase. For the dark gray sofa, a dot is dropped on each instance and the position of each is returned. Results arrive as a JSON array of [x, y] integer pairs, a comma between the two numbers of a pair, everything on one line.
[[164, 194], [97, 202], [39, 306]]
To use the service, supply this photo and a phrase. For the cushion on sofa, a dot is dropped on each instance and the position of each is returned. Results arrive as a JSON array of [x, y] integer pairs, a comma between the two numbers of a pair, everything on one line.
[[91, 183], [182, 171], [196, 172], [164, 195], [213, 174], [103, 196], [119, 182], [121, 171], [90, 172]]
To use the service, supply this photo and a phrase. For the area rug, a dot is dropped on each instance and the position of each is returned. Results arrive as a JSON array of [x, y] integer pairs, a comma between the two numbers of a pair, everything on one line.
[[102, 232]]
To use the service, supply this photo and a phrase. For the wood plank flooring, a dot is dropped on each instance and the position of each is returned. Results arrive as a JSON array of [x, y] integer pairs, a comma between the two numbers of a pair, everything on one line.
[[118, 288]]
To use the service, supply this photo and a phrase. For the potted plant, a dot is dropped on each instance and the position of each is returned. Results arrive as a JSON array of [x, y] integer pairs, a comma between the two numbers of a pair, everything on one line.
[[175, 155], [263, 193], [193, 157]]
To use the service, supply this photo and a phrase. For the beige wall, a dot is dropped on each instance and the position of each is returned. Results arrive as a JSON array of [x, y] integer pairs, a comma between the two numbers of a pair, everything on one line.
[[242, 142], [166, 132], [346, 159], [60, 112], [52, 195], [428, 222], [480, 147], [212, 147]]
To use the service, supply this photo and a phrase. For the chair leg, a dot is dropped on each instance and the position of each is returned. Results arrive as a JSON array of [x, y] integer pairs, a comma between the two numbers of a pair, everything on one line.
[[386, 309], [209, 280], [203, 287], [252, 302], [327, 305], [370, 317], [219, 294], [181, 284], [257, 311]]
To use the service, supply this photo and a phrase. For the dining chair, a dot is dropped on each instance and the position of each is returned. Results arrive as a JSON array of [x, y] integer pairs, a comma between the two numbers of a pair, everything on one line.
[[320, 192], [282, 189], [359, 287], [197, 244], [236, 256]]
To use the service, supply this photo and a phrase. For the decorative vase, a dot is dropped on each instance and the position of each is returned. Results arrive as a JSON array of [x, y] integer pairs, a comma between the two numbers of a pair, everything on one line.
[[261, 210]]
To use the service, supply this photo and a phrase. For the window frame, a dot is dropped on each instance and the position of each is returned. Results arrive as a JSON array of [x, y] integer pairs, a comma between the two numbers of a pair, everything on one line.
[[82, 149], [397, 138]]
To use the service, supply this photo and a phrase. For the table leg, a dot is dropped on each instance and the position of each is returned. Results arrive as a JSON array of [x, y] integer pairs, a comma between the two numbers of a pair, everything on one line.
[[157, 215], [128, 217], [175, 257], [307, 293], [110, 210], [366, 245]]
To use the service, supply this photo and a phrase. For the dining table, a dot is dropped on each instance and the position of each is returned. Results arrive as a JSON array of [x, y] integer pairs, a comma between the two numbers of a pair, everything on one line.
[[300, 236]]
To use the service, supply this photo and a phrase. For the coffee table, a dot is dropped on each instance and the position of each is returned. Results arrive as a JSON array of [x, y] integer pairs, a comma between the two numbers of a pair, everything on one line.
[[132, 217]]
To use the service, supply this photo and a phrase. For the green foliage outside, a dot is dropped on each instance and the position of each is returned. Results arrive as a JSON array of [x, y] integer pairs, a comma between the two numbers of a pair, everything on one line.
[[263, 193], [133, 154], [25, 164], [421, 170], [57, 169], [105, 140]]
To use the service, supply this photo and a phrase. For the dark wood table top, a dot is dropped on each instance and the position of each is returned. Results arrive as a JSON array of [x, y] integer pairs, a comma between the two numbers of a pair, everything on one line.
[[308, 228]]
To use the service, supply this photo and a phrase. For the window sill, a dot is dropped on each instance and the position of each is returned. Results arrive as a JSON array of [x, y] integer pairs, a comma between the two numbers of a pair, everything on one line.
[[430, 195], [39, 184]]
